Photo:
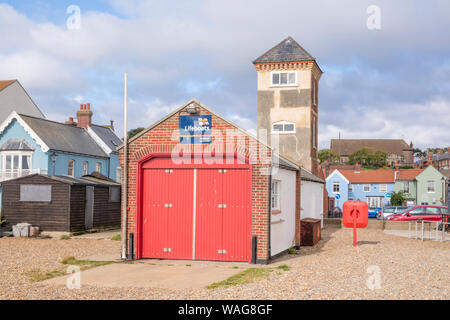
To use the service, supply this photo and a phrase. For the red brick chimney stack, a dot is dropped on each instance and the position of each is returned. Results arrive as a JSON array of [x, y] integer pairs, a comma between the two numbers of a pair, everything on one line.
[[84, 116], [397, 166]]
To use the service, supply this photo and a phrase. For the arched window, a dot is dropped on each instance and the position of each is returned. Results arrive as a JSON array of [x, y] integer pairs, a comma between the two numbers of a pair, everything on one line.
[[283, 127]]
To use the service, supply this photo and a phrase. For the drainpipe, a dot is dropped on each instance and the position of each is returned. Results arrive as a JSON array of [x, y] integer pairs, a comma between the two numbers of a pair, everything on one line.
[[125, 177]]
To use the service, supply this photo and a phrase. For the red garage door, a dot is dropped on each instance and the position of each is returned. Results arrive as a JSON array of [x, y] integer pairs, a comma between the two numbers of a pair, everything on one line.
[[222, 219], [167, 214], [196, 213]]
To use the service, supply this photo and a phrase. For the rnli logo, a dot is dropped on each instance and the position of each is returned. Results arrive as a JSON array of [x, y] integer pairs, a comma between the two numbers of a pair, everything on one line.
[[203, 121]]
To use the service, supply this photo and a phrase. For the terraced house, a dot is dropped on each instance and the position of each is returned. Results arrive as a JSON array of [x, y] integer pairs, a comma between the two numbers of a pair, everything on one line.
[[422, 186]]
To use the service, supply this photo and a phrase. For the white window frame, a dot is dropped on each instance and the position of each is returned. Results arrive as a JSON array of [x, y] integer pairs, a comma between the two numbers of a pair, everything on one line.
[[338, 184], [383, 187], [20, 154], [98, 167], [73, 168], [434, 186], [119, 174], [350, 187], [85, 168], [283, 123], [406, 186], [279, 77], [275, 194], [364, 188]]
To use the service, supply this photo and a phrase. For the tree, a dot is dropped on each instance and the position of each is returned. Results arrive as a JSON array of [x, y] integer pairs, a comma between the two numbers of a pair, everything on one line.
[[327, 154], [368, 158], [398, 198], [133, 132]]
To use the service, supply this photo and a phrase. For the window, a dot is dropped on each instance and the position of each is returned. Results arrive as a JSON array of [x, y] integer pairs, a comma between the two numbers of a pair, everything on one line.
[[366, 188], [418, 211], [350, 188], [98, 167], [16, 161], [336, 187], [434, 211], [406, 186], [276, 195], [288, 78], [119, 174], [35, 193], [70, 168], [283, 127], [430, 188], [85, 168], [383, 187], [314, 143], [314, 91], [114, 194]]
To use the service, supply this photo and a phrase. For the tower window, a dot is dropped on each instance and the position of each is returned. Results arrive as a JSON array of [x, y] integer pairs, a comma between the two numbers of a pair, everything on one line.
[[284, 78], [283, 127]]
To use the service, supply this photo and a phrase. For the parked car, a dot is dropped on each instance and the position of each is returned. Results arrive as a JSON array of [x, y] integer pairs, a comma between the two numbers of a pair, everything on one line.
[[374, 211], [428, 213], [390, 210]]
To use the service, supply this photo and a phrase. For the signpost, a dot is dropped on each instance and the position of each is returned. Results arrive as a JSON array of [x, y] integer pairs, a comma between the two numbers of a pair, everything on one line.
[[195, 129]]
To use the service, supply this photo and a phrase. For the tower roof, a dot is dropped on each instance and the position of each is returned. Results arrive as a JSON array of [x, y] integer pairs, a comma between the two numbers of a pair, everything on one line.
[[287, 50]]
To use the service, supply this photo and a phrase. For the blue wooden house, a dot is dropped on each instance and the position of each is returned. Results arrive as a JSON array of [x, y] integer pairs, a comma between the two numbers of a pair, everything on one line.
[[31, 145], [371, 186]]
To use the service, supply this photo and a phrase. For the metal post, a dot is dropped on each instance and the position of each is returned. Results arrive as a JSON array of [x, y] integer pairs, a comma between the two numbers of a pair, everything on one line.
[[125, 175]]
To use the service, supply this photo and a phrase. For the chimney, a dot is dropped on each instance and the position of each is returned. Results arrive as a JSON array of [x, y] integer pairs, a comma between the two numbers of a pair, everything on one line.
[[357, 167], [430, 155], [70, 121], [84, 116], [440, 151], [416, 166], [411, 145], [112, 125], [397, 166], [448, 150]]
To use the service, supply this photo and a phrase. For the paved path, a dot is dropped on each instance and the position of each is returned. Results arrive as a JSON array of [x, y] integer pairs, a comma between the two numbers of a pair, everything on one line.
[[164, 274], [106, 235]]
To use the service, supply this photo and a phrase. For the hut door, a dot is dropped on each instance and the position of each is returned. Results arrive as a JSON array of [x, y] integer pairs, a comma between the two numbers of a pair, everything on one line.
[[89, 213]]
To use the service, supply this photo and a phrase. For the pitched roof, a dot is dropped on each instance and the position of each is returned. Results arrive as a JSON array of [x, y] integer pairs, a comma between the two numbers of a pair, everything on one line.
[[287, 50], [5, 83], [346, 147], [282, 162], [408, 174], [108, 136], [370, 176], [62, 137], [306, 175], [16, 144]]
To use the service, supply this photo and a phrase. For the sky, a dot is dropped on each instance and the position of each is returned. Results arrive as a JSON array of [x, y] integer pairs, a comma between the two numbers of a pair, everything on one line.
[[388, 82]]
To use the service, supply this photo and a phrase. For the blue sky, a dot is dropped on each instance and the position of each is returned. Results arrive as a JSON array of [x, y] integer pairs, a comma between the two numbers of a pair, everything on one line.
[[387, 83]]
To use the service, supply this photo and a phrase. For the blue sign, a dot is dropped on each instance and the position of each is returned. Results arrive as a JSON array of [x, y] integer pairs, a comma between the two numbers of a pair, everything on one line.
[[195, 125], [337, 196], [388, 195], [197, 139]]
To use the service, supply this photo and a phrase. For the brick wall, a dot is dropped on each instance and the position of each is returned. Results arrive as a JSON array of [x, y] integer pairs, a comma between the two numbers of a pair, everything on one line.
[[164, 137]]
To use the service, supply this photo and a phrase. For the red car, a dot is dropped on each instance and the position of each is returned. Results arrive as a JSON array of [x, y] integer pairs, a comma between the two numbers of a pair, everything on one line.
[[428, 213]]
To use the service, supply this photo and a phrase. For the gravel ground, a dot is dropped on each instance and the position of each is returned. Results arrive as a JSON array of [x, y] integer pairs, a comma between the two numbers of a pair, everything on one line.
[[409, 269]]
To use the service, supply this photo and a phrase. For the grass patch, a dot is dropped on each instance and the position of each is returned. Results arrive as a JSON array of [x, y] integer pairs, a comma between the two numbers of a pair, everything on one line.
[[84, 264], [38, 275], [292, 251], [246, 276], [64, 237], [116, 237], [188, 265], [284, 267]]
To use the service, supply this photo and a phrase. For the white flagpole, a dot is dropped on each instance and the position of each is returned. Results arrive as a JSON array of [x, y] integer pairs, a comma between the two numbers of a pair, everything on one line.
[[125, 175]]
